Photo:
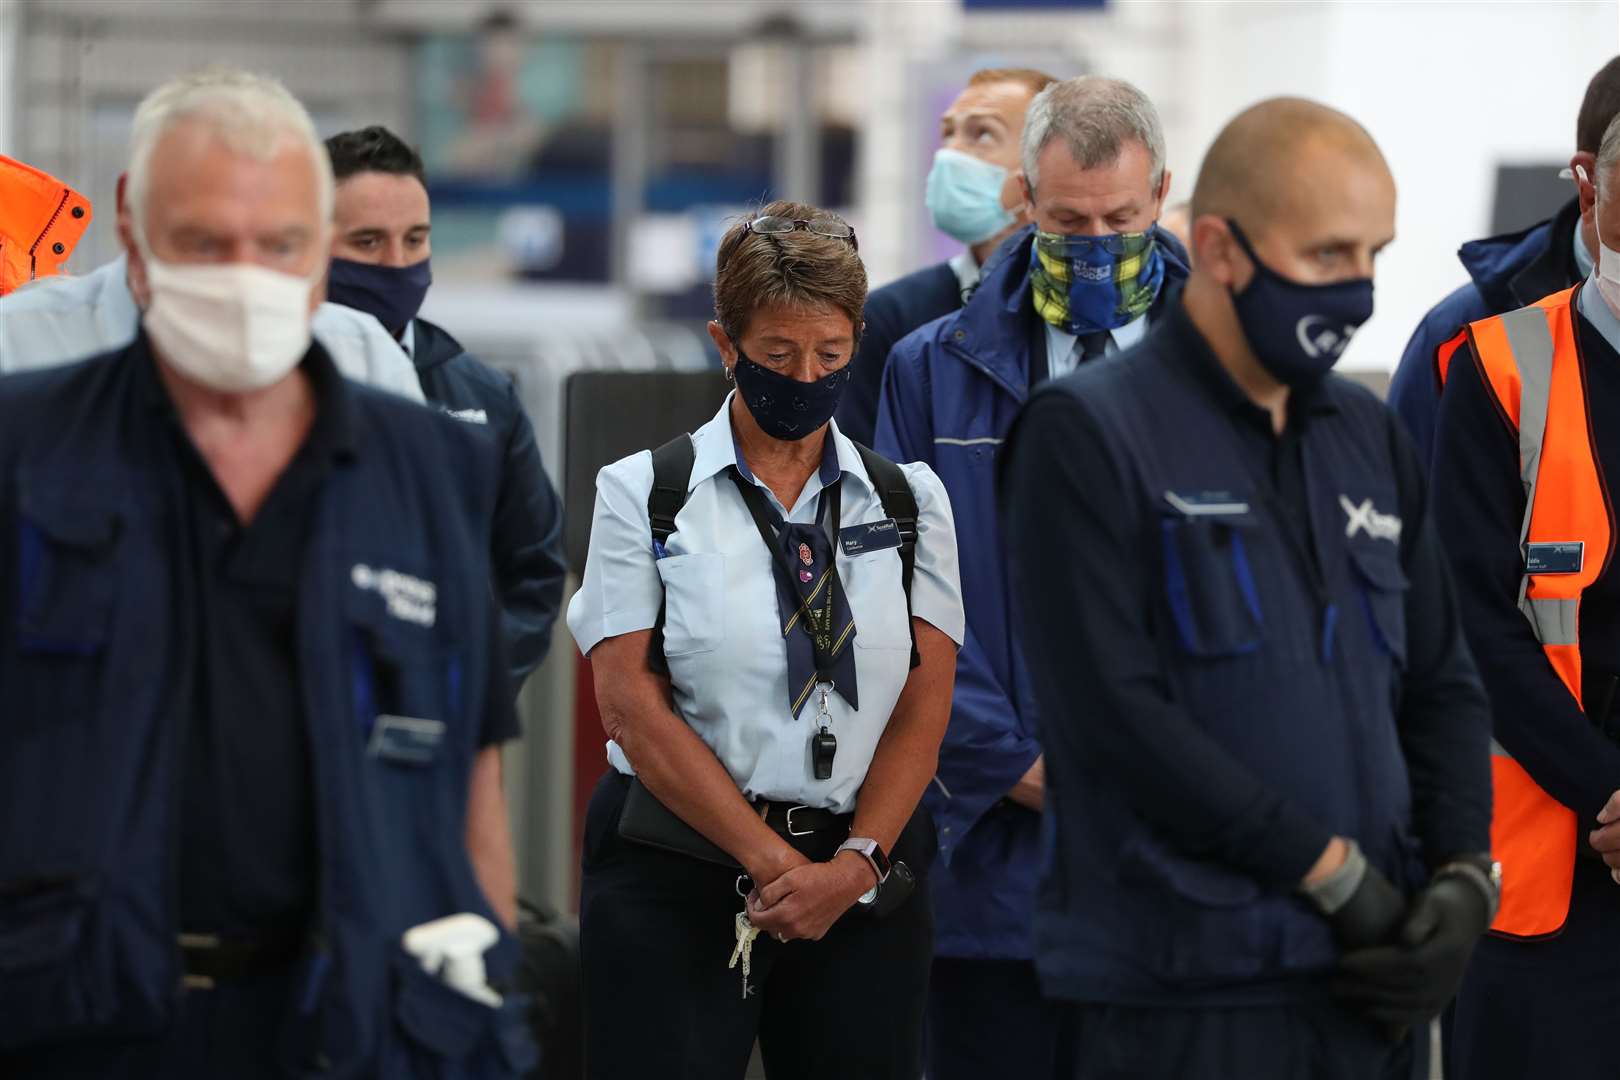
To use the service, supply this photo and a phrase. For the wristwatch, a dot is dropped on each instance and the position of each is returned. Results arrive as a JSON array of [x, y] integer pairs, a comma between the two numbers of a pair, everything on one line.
[[873, 853]]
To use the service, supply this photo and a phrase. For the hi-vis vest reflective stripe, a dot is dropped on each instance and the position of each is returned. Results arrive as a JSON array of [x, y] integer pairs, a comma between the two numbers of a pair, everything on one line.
[[1533, 369]]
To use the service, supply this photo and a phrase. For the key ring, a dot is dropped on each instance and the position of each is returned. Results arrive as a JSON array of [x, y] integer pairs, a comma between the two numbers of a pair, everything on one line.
[[743, 891]]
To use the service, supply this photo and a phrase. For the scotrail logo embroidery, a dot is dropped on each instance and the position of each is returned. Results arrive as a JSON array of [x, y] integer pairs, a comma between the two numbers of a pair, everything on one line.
[[408, 598], [1319, 337], [1365, 518]]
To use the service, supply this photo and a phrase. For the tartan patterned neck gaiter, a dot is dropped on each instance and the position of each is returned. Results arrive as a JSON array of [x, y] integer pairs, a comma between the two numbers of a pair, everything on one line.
[[1083, 284]]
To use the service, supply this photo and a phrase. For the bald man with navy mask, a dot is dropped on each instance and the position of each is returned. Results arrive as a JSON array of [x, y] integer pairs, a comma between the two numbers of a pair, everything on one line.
[[1266, 744]]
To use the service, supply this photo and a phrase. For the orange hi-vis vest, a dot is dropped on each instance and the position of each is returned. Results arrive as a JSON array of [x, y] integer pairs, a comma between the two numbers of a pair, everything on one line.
[[1532, 367], [41, 219]]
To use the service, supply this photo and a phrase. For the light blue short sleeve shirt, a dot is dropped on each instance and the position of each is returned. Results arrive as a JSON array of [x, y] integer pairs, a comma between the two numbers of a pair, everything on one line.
[[722, 634]]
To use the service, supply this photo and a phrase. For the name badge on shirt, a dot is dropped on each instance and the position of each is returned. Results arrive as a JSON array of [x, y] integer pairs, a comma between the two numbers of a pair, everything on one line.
[[1566, 557], [406, 740], [869, 537]]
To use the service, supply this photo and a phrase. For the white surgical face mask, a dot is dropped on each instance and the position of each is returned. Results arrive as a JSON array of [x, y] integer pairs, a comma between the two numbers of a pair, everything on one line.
[[234, 327], [1608, 273]]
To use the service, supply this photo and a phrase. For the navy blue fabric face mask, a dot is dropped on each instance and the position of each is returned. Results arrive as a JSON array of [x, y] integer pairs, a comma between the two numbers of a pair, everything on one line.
[[783, 407], [1298, 332], [393, 294]]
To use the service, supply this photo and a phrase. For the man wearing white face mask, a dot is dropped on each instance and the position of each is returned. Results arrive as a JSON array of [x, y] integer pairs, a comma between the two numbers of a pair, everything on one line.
[[973, 197], [252, 673], [1529, 429], [73, 318]]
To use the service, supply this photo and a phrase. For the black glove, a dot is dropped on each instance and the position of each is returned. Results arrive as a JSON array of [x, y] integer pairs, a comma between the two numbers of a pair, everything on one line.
[[1372, 914], [1408, 983]]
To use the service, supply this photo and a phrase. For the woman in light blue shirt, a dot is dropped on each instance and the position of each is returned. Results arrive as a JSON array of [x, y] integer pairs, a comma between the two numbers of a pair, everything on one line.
[[774, 701]]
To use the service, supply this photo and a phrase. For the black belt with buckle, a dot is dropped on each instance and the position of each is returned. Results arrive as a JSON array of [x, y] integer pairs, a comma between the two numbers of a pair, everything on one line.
[[789, 820], [211, 958]]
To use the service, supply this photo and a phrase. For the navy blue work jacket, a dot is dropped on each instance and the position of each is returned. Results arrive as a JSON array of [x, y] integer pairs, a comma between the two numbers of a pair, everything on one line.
[[891, 313], [1243, 645], [394, 613], [527, 535], [951, 392]]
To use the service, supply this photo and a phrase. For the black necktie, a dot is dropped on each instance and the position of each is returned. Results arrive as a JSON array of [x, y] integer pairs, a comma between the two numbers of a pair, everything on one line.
[[1092, 346], [817, 625], [816, 619]]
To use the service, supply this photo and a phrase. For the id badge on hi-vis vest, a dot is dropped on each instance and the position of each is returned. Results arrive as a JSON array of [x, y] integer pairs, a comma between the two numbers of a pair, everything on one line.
[[1565, 557]]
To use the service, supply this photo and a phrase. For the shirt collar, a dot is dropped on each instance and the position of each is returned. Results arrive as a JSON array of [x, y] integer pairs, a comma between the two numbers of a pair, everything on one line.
[[1059, 342], [715, 449], [407, 340], [967, 271], [1584, 263]]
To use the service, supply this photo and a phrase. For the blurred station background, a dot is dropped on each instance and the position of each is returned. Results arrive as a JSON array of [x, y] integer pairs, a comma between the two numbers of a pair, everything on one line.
[[584, 158]]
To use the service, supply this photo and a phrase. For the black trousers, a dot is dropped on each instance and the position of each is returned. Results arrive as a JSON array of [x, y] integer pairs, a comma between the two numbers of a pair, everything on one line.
[[1544, 1008], [1308, 1041], [656, 932], [986, 1019], [231, 1031]]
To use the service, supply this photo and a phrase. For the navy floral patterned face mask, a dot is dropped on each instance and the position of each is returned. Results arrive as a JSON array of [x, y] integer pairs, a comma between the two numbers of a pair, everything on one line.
[[783, 407]]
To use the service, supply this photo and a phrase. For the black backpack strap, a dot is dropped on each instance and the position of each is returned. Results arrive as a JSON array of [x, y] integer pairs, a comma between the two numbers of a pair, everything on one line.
[[672, 472], [900, 503]]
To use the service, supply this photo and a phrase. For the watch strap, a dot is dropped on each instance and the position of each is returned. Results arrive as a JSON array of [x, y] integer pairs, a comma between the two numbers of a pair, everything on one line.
[[873, 853]]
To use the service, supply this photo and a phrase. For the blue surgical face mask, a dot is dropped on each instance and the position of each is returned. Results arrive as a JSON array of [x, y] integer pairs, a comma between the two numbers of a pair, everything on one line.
[[393, 294], [783, 407], [964, 197], [1298, 332]]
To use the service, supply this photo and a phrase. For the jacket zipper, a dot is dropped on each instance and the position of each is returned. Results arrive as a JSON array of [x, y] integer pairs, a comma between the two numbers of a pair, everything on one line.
[[49, 225]]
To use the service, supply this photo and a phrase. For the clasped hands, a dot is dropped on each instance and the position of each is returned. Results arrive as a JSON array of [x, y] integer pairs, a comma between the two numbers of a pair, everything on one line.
[[1403, 962], [804, 898]]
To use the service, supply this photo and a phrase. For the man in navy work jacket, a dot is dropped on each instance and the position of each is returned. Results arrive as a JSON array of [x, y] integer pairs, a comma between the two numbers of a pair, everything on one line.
[[973, 196], [381, 248], [1084, 281], [1505, 273], [250, 659], [1267, 747]]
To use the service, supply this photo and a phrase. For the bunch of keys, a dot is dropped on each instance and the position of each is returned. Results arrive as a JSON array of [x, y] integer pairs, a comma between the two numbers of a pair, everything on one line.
[[746, 933], [823, 744]]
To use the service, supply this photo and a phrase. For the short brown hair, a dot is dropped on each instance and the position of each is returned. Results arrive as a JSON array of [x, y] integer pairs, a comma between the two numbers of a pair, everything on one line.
[[797, 269], [1035, 80], [1598, 107]]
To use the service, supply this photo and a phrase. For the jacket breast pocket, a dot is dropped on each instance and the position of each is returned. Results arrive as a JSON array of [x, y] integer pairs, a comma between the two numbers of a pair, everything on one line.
[[68, 577], [1382, 585], [694, 603], [1209, 584], [68, 571]]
